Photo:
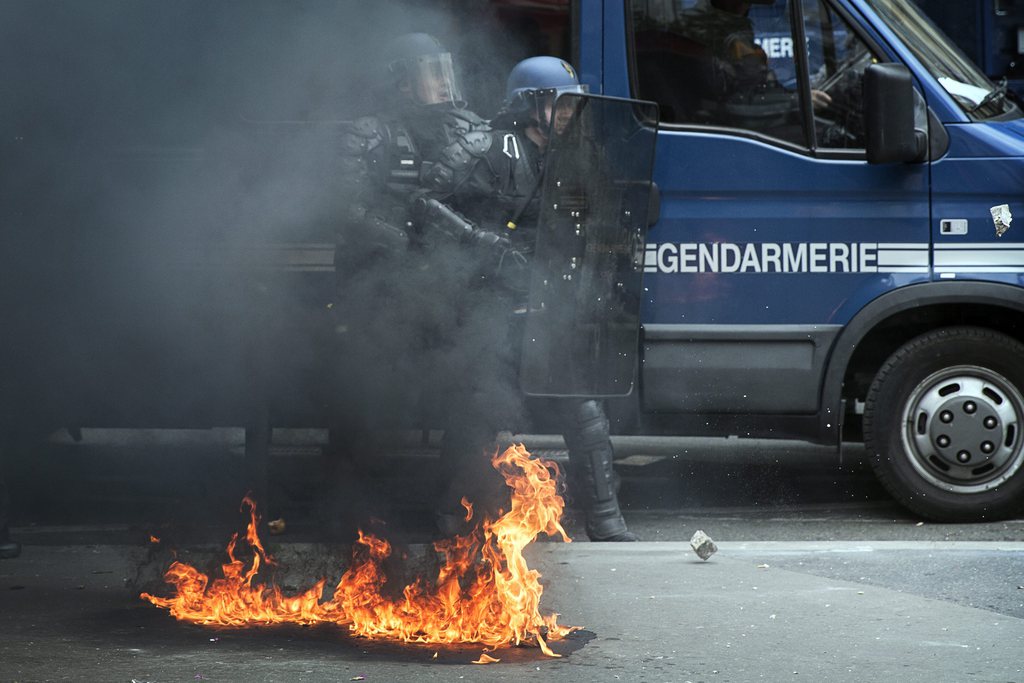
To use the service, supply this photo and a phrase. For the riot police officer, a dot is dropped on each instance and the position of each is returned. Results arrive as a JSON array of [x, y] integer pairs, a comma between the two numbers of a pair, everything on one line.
[[532, 108], [392, 288], [494, 178]]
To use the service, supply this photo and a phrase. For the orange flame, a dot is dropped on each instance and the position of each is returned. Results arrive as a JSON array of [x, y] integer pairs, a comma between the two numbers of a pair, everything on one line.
[[484, 591]]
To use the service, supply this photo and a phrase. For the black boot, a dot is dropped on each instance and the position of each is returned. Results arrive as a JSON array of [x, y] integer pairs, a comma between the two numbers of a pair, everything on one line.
[[590, 455]]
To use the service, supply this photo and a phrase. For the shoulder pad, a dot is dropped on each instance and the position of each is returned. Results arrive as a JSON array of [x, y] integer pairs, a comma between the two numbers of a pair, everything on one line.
[[467, 148], [457, 161], [477, 142], [463, 120]]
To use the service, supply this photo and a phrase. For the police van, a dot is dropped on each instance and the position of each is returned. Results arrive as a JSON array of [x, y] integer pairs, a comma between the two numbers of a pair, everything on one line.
[[831, 253], [835, 254]]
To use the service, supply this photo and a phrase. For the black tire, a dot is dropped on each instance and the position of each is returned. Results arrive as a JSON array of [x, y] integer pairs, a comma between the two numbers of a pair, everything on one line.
[[944, 425]]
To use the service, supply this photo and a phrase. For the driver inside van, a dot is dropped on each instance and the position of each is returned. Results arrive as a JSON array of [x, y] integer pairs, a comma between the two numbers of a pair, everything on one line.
[[735, 81]]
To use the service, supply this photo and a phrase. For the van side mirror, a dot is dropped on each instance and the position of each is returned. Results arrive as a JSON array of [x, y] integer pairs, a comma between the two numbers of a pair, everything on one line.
[[889, 116]]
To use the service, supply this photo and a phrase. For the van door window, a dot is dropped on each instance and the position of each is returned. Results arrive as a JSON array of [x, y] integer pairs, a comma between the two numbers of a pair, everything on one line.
[[836, 59], [720, 63]]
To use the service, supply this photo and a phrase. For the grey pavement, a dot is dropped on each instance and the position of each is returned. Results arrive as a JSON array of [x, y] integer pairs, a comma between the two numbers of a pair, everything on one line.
[[772, 611], [820, 576]]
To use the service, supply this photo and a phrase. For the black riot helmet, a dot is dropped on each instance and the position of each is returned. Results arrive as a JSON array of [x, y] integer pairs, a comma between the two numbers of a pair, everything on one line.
[[420, 71]]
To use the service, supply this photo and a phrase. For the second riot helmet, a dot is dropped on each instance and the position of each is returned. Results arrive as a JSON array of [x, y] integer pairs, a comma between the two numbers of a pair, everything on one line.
[[421, 70]]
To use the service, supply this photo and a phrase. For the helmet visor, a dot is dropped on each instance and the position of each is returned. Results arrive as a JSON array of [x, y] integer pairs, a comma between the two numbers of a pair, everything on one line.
[[431, 79], [553, 114]]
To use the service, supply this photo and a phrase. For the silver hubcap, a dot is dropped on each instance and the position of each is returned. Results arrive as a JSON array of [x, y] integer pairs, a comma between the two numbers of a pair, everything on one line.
[[963, 429]]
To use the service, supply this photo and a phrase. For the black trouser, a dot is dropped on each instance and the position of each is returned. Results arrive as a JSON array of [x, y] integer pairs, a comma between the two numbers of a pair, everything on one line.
[[479, 387]]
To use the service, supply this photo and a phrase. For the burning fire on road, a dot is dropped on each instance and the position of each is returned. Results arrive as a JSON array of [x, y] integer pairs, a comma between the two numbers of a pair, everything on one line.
[[483, 593]]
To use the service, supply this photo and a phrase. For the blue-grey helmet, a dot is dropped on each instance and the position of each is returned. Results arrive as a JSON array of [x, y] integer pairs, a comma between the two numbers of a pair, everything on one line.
[[531, 89], [421, 70], [534, 79]]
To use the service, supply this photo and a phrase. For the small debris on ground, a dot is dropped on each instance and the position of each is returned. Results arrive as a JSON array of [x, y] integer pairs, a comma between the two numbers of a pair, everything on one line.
[[703, 545], [486, 659]]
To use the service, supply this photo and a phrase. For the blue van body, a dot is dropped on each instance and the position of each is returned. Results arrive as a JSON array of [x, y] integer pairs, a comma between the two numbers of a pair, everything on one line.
[[778, 281]]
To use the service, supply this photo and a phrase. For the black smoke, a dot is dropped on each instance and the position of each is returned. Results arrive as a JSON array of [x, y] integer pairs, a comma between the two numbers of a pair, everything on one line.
[[150, 151]]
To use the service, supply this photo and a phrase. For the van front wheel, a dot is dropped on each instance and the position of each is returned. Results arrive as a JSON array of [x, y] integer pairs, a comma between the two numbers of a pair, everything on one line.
[[943, 424]]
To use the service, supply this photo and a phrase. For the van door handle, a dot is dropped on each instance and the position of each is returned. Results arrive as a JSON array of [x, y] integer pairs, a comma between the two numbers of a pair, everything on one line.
[[653, 205]]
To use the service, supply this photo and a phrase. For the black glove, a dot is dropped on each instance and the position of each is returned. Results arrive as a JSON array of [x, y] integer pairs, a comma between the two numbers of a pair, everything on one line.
[[512, 270]]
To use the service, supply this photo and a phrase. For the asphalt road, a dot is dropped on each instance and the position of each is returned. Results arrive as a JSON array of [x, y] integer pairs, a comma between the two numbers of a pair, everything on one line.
[[869, 591], [192, 482], [121, 486]]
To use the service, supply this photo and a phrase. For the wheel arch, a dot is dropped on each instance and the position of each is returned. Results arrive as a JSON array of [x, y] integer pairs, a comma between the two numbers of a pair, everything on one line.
[[894, 318]]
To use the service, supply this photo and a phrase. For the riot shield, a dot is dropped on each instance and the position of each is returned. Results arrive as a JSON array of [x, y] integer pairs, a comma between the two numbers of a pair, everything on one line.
[[582, 324]]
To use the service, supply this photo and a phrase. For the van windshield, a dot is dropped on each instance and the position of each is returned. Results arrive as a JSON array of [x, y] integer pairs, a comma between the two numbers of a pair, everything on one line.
[[972, 90]]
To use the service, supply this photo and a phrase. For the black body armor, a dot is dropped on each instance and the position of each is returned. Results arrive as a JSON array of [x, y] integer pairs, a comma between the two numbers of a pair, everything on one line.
[[385, 163]]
